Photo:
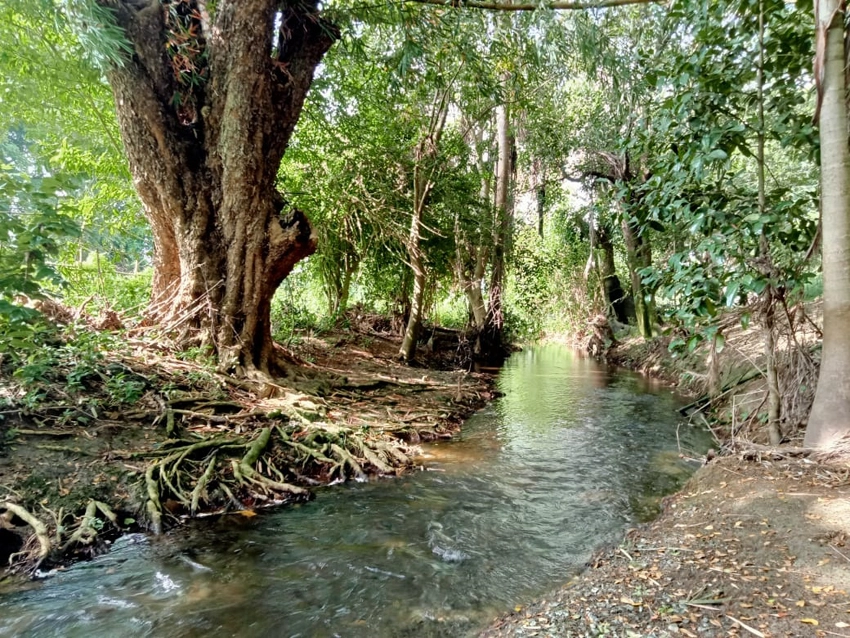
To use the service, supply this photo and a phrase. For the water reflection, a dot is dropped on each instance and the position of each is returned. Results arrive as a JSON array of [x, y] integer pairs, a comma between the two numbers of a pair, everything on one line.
[[569, 457]]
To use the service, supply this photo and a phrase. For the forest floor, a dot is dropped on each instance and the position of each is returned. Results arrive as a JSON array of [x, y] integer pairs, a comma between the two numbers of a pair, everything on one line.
[[77, 469], [756, 543]]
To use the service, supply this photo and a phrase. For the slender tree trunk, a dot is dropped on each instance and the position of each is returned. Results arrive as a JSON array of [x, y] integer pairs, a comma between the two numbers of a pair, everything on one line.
[[423, 175], [714, 387], [401, 303], [540, 191], [343, 285], [474, 295], [616, 302], [774, 401], [471, 265], [204, 154], [417, 267], [830, 415], [639, 256], [495, 316]]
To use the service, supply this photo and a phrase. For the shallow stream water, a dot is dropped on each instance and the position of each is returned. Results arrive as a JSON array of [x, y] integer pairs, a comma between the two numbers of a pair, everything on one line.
[[570, 457]]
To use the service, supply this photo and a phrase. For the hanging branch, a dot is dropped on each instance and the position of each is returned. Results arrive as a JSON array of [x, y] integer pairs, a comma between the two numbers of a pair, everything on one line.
[[553, 6]]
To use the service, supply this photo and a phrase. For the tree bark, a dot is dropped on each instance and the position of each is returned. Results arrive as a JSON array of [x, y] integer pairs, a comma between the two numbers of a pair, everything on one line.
[[351, 264], [207, 105], [492, 345], [471, 256], [540, 192], [774, 400], [472, 249], [616, 302], [423, 184], [639, 256], [830, 416], [417, 267]]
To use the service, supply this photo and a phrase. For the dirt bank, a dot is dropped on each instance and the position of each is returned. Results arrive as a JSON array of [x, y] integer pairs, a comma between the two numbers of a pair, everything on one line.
[[126, 436], [749, 548], [754, 545]]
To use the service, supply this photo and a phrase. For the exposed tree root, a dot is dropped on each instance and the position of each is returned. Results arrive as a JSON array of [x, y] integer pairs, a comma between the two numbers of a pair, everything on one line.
[[210, 442], [40, 547], [90, 526], [34, 559], [264, 466]]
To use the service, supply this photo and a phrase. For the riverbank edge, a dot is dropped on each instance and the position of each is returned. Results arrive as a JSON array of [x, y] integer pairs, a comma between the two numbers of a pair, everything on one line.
[[606, 584], [436, 402]]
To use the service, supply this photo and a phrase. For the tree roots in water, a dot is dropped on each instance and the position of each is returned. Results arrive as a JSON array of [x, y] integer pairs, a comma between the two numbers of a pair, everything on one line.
[[261, 468], [200, 442], [43, 545]]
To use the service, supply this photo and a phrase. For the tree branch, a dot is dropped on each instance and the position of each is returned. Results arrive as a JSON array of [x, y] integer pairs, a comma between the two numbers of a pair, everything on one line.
[[531, 6]]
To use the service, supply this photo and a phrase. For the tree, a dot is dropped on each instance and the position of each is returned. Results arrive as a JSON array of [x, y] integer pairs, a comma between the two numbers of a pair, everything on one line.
[[423, 182], [830, 416], [207, 103]]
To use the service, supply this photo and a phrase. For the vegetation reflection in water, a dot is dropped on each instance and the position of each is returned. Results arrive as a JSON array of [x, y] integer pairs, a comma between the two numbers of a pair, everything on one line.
[[563, 463]]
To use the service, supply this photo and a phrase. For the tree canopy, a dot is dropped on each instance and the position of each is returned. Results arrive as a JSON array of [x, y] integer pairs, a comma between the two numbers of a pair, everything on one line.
[[461, 162]]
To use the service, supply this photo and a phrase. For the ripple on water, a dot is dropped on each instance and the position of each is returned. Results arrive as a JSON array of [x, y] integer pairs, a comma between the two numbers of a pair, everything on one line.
[[564, 462]]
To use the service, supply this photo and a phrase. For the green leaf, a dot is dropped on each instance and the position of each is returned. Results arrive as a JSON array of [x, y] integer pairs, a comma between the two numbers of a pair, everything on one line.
[[693, 342], [732, 293], [719, 343]]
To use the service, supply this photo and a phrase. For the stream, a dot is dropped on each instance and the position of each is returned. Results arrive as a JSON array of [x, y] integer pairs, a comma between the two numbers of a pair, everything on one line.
[[570, 457]]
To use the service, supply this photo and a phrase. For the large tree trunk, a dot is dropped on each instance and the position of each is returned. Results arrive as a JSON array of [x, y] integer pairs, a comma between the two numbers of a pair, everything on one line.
[[830, 415], [207, 105]]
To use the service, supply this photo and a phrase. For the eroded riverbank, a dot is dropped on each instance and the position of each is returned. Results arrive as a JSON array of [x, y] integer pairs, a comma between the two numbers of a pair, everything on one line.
[[746, 549], [77, 469]]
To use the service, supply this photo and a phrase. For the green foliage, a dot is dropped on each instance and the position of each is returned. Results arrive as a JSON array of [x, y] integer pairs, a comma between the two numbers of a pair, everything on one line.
[[61, 146], [701, 141], [669, 95], [529, 288], [297, 306], [33, 225], [100, 283], [79, 361], [451, 311], [548, 293]]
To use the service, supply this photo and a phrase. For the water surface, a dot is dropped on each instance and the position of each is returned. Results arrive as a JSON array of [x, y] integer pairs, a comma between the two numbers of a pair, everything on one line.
[[570, 457]]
